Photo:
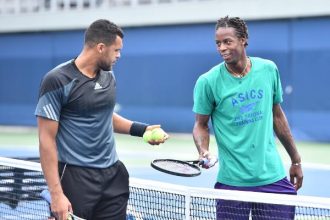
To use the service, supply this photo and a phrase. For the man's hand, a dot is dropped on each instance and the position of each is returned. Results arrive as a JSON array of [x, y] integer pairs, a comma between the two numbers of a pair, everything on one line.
[[154, 135], [296, 175], [208, 159], [60, 206]]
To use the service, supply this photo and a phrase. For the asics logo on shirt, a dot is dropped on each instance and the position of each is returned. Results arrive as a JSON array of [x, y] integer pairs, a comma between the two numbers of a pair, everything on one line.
[[246, 96]]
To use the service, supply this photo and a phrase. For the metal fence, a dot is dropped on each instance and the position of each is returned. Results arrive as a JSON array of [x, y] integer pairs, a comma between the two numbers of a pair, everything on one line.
[[35, 6]]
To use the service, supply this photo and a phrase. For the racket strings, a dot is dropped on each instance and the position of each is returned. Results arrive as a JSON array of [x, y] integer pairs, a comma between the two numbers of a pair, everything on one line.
[[177, 167]]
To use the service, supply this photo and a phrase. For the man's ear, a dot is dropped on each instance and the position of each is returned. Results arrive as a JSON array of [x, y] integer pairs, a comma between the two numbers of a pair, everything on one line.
[[100, 47], [243, 40]]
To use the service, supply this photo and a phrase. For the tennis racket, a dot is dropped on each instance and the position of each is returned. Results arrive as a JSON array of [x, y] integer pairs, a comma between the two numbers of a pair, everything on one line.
[[186, 168], [46, 196]]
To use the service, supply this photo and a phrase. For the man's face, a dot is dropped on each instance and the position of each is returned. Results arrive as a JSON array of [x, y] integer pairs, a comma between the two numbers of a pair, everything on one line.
[[230, 47], [110, 55]]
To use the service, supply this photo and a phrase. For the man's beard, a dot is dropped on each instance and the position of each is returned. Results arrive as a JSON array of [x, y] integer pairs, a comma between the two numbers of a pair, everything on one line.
[[105, 66]]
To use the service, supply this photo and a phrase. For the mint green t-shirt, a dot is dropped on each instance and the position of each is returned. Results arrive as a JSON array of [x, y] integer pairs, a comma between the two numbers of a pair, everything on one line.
[[242, 120]]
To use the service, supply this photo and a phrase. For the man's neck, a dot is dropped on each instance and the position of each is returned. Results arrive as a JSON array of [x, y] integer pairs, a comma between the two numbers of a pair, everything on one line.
[[86, 65]]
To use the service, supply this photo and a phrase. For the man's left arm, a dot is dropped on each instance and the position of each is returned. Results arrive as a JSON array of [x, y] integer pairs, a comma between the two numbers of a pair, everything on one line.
[[120, 124], [282, 131], [124, 126]]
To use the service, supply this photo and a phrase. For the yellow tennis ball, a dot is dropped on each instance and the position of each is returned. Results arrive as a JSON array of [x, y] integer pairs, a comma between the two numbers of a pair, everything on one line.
[[158, 134], [147, 136]]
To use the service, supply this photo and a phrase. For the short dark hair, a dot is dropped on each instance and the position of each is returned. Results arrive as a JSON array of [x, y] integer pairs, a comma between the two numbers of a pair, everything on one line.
[[102, 31], [237, 23]]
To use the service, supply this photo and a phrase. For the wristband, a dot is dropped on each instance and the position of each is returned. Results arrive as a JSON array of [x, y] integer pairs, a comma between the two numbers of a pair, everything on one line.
[[138, 129]]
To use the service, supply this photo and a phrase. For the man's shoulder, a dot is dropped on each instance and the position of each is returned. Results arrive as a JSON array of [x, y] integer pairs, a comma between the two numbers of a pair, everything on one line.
[[213, 72], [60, 69], [211, 75], [60, 72], [58, 76], [262, 61]]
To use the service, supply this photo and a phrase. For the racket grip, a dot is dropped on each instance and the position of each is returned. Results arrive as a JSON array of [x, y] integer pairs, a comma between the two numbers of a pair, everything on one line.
[[207, 163], [203, 161], [45, 195]]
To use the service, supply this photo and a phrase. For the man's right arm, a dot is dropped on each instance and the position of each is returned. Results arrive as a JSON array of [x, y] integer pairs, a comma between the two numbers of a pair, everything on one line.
[[47, 130], [201, 134]]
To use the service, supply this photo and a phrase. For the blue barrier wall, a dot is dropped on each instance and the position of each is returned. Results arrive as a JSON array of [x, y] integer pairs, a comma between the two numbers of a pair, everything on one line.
[[159, 66]]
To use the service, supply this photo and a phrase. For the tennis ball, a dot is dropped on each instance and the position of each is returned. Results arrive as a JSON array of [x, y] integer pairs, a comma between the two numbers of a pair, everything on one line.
[[158, 134], [147, 136]]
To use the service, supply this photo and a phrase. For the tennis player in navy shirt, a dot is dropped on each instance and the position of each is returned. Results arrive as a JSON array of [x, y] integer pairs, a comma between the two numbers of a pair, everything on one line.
[[76, 123]]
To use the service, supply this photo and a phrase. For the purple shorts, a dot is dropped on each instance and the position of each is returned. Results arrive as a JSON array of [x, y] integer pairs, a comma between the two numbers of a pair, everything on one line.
[[236, 210]]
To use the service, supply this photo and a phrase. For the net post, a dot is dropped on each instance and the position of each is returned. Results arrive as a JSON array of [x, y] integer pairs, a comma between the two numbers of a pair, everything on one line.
[[187, 205]]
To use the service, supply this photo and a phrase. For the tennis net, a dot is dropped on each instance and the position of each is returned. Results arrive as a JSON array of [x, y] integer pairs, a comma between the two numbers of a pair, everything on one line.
[[22, 181]]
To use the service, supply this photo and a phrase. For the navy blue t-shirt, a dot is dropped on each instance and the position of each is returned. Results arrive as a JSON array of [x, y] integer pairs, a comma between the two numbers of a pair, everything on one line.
[[83, 107]]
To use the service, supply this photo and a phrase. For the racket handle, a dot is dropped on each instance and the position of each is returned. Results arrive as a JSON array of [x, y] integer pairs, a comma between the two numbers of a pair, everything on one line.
[[203, 161], [206, 163], [46, 195]]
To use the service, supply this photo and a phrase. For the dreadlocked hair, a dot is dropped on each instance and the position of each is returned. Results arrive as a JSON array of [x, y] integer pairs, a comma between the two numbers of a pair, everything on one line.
[[235, 22]]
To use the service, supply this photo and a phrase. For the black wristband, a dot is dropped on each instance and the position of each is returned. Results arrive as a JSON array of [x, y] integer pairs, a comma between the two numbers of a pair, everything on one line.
[[138, 129]]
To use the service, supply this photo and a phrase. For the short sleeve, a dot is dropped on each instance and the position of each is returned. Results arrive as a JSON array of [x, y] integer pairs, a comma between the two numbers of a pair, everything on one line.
[[49, 103], [203, 97]]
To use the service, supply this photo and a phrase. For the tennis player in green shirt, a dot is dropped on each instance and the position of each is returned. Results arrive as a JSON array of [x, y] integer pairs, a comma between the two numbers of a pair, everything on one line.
[[242, 96]]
